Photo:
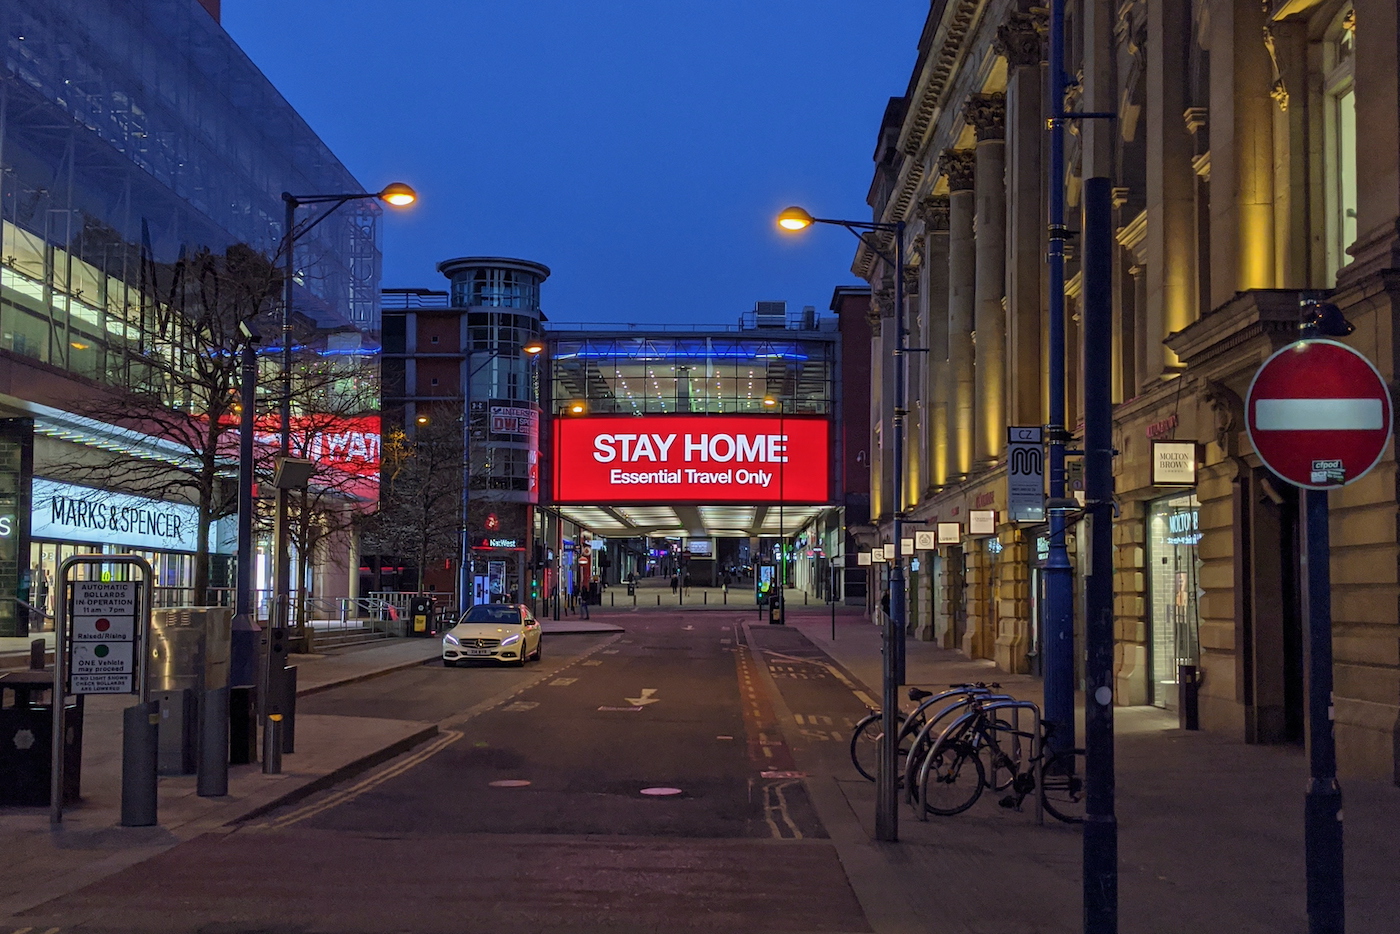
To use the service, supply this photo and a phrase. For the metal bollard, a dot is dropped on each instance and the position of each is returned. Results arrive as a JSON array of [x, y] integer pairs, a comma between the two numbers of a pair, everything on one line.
[[272, 744], [212, 769], [612, 598], [804, 598], [705, 598], [289, 709], [140, 753], [658, 599]]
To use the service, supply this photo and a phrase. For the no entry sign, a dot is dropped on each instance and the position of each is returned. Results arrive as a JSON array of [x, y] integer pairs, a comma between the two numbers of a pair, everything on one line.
[[1318, 414]]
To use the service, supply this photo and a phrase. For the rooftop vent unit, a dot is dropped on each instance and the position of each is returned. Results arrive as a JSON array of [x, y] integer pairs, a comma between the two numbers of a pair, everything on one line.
[[770, 314]]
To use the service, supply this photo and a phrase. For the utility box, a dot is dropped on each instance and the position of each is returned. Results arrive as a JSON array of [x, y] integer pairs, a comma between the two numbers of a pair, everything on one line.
[[190, 649]]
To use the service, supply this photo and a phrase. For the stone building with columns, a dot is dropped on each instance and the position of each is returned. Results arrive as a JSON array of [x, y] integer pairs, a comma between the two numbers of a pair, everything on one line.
[[1240, 189]]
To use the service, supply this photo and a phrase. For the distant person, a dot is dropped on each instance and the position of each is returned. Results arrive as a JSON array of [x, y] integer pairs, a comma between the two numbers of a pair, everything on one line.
[[675, 583], [583, 603], [885, 602]]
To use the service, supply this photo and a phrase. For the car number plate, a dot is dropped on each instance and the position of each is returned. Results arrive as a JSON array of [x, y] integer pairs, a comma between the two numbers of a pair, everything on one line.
[[480, 651]]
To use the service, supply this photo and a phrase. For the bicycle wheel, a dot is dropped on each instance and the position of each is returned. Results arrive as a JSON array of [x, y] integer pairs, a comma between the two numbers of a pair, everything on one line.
[[951, 779], [865, 744], [1001, 754], [1062, 790]]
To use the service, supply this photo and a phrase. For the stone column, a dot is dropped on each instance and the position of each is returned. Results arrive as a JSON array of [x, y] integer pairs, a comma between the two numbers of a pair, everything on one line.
[[1019, 41], [916, 424], [1170, 192], [1242, 152], [1378, 116], [987, 112], [958, 166], [875, 457], [934, 211]]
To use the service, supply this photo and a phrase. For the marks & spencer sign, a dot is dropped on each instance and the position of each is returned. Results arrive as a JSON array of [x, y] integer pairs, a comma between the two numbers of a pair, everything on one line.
[[67, 512], [691, 459]]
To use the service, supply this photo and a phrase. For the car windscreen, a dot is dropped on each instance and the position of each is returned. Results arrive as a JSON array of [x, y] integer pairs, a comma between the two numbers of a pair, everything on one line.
[[487, 613]]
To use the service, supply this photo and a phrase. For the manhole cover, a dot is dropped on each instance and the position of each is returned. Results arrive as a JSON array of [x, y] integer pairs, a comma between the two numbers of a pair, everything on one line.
[[661, 792], [510, 783]]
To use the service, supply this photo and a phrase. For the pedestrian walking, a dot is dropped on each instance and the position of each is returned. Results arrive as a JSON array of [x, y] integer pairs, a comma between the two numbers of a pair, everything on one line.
[[675, 583], [583, 596]]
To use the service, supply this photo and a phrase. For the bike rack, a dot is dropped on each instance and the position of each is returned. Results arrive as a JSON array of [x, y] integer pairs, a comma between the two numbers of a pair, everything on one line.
[[980, 695], [1018, 706]]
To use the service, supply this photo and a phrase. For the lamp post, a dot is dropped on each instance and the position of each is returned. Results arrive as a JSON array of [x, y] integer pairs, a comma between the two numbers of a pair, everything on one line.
[[274, 700], [770, 402], [887, 780], [532, 349]]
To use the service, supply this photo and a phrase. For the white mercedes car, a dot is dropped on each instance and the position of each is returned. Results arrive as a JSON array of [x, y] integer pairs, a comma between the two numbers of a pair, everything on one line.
[[502, 632]]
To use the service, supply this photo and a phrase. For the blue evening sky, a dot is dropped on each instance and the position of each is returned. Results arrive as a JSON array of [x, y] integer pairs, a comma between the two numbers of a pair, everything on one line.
[[639, 148]]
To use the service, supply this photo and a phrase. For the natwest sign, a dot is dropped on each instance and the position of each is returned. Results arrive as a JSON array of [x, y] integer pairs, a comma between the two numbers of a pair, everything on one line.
[[692, 459]]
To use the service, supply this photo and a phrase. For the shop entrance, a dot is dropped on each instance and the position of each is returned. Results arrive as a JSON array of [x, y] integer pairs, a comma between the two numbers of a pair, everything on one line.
[[1174, 624]]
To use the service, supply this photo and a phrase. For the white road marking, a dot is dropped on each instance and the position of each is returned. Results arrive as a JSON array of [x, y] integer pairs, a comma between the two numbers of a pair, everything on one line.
[[562, 682]]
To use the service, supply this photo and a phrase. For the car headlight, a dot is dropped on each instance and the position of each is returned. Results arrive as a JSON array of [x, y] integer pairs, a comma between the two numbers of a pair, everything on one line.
[[450, 639], [511, 640]]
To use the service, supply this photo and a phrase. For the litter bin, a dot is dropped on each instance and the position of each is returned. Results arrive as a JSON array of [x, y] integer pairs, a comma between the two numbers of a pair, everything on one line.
[[1188, 703], [421, 613], [631, 589], [775, 610], [26, 734]]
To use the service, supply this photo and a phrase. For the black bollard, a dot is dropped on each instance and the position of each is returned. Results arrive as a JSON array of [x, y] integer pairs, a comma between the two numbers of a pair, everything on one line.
[[140, 755], [212, 774]]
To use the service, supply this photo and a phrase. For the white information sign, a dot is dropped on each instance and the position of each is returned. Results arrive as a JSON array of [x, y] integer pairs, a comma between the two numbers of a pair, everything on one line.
[[103, 658], [104, 628], [99, 598], [926, 541], [103, 648], [1025, 474]]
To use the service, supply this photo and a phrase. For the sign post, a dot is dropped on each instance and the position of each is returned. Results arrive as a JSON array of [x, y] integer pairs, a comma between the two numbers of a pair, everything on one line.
[[1319, 415], [101, 644]]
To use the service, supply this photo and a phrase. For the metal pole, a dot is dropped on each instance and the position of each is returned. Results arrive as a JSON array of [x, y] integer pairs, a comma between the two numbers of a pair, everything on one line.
[[887, 796], [243, 652], [1100, 824], [1322, 829], [56, 697], [1059, 583], [464, 563], [279, 613]]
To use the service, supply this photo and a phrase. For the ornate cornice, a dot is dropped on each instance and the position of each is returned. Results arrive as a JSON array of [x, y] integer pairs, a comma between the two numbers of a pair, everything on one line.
[[1021, 39], [987, 113], [959, 166]]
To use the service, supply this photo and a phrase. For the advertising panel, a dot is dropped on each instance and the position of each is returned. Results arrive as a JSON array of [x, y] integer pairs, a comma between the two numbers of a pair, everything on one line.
[[692, 459]]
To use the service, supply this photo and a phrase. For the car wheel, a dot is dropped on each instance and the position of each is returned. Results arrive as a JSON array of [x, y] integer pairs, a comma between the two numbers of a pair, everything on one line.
[[539, 650], [520, 659]]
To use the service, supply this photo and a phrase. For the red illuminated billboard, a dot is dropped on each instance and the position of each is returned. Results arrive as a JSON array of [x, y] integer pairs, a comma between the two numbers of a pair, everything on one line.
[[748, 459]]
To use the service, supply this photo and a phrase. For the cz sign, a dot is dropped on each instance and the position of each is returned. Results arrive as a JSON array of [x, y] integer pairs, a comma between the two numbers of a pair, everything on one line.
[[1319, 414]]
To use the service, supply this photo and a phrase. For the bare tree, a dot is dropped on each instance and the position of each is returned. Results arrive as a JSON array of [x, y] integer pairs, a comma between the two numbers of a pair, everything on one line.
[[421, 496], [180, 385]]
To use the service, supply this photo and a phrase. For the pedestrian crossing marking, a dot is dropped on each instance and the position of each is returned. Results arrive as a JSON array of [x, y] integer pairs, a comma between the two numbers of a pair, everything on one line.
[[562, 682], [591, 662], [520, 706]]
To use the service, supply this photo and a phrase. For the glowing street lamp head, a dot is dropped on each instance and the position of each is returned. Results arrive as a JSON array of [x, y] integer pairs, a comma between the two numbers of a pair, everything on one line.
[[533, 347], [794, 218], [577, 408], [769, 402], [398, 194], [422, 419]]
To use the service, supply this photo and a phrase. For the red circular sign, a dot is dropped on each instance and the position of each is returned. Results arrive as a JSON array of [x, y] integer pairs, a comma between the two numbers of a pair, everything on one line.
[[1319, 414], [102, 625]]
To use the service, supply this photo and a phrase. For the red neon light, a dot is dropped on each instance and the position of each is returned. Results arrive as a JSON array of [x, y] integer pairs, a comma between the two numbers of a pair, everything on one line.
[[749, 459]]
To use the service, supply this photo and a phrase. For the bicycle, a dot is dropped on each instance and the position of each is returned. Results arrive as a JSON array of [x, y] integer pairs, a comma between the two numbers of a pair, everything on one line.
[[866, 735], [952, 778]]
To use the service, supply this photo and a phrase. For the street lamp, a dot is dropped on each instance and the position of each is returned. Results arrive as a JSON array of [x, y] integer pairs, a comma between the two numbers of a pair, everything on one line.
[[532, 349], [886, 790], [275, 699]]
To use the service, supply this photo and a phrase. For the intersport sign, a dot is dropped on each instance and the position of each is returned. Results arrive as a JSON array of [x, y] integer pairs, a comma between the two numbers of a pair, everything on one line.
[[691, 459]]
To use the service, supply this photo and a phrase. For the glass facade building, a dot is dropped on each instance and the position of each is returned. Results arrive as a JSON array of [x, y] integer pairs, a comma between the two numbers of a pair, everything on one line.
[[135, 136]]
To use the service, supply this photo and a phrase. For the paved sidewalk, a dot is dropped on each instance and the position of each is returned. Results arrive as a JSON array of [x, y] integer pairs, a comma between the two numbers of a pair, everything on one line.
[[1210, 830], [39, 862]]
